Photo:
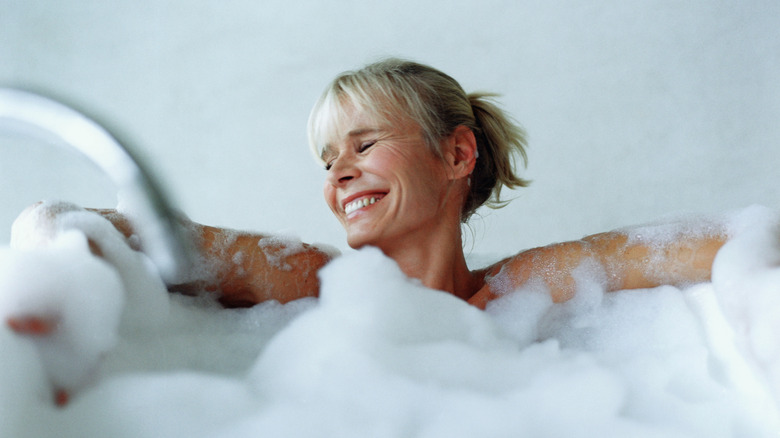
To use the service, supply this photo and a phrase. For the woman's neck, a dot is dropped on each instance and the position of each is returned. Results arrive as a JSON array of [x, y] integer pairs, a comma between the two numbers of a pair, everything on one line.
[[439, 263]]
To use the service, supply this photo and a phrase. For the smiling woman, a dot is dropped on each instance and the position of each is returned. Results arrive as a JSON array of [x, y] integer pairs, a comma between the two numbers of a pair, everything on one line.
[[409, 157], [408, 137]]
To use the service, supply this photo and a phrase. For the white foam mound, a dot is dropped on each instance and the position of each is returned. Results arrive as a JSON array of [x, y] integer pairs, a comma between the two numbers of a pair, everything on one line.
[[380, 355], [60, 282]]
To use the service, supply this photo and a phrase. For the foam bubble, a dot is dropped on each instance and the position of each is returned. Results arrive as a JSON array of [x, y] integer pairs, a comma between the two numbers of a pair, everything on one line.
[[66, 284], [380, 355]]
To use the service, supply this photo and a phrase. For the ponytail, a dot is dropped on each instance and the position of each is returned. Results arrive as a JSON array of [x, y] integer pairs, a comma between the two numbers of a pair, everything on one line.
[[500, 142]]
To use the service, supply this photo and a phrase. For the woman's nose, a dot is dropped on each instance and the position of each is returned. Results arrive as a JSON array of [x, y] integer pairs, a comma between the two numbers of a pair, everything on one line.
[[343, 169]]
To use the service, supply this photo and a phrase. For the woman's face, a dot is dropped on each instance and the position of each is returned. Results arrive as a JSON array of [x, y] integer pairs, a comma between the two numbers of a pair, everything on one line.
[[384, 184]]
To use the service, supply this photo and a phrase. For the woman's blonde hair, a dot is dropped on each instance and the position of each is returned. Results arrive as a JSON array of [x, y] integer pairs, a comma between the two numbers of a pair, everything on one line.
[[395, 90]]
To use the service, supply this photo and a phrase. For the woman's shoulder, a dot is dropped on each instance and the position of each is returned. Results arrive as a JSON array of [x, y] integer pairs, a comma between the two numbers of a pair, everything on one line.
[[551, 264]]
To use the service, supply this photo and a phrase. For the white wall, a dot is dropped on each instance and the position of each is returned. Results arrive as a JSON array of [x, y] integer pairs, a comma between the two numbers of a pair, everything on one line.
[[634, 109]]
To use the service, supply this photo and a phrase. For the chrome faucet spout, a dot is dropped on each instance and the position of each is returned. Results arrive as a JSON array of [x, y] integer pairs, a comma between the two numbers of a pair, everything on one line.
[[161, 235]]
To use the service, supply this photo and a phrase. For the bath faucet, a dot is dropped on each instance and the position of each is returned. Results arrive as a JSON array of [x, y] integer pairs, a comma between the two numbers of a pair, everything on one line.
[[161, 236]]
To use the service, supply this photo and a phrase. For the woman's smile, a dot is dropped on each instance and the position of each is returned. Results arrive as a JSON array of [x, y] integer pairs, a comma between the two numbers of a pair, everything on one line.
[[361, 202]]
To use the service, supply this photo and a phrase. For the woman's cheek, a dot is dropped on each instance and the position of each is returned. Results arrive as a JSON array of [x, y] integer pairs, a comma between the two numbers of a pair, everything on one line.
[[329, 194]]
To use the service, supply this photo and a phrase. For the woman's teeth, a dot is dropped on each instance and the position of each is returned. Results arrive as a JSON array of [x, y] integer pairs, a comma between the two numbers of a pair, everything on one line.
[[360, 203]]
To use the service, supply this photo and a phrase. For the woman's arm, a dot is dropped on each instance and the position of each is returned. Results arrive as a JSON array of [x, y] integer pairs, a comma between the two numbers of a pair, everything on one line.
[[244, 268], [626, 262]]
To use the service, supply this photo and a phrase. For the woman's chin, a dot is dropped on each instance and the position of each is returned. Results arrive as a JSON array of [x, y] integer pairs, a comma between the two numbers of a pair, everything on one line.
[[357, 243], [357, 240]]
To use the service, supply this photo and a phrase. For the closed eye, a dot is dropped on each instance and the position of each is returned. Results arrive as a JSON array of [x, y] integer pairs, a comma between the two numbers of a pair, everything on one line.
[[328, 158], [329, 161], [366, 145]]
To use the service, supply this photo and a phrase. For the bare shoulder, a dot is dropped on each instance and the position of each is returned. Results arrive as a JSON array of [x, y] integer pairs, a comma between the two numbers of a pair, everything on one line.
[[552, 264]]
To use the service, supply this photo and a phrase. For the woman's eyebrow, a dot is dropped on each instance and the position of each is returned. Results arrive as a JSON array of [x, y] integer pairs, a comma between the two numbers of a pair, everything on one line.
[[362, 131]]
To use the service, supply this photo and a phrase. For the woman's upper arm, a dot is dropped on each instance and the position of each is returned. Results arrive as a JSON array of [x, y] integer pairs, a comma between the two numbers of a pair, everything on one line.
[[247, 268], [632, 263], [627, 264]]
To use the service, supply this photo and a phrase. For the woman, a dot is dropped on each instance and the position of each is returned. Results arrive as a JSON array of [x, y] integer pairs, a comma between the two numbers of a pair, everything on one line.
[[409, 158]]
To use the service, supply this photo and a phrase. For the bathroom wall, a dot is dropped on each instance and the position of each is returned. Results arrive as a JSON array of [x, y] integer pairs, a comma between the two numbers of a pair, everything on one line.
[[634, 110]]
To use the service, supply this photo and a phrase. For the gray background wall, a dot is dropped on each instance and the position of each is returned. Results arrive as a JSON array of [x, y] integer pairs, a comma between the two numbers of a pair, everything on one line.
[[635, 110]]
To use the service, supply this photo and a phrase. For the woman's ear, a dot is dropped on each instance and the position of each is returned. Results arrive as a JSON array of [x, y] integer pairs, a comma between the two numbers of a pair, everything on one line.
[[461, 152]]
